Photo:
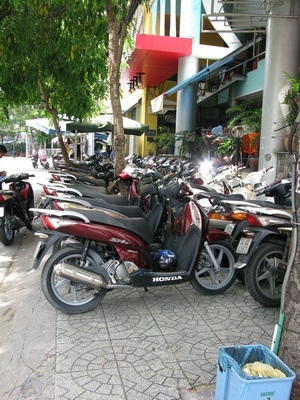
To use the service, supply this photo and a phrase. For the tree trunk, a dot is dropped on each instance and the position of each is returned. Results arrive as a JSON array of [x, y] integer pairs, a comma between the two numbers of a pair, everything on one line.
[[116, 37], [54, 116], [289, 350]]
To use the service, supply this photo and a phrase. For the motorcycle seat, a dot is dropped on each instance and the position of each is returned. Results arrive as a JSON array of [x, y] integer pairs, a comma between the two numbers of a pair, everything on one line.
[[90, 179], [9, 192], [263, 203], [216, 198], [126, 210], [88, 192], [138, 226]]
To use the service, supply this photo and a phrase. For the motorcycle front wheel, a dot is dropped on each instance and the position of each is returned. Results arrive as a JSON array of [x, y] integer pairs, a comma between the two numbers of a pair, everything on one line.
[[7, 232], [209, 281], [263, 281], [64, 294]]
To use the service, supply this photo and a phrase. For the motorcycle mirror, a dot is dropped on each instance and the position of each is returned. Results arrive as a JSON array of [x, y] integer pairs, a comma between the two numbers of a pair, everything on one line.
[[267, 157]]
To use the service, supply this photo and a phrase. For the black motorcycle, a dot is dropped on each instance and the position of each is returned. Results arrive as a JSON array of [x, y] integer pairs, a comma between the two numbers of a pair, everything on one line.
[[15, 203], [280, 190]]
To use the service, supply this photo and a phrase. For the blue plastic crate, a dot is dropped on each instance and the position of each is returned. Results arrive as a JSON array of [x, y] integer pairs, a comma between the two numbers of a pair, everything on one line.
[[232, 384]]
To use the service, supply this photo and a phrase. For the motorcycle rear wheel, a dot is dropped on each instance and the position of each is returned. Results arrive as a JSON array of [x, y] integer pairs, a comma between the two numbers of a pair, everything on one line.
[[209, 281], [262, 281], [64, 294], [7, 232]]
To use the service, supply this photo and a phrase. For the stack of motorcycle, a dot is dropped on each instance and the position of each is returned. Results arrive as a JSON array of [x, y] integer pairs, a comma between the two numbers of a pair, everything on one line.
[[100, 242], [113, 246]]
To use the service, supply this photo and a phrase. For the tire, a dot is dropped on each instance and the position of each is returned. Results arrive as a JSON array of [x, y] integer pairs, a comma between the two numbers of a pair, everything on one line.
[[7, 231], [205, 279], [64, 294], [263, 283]]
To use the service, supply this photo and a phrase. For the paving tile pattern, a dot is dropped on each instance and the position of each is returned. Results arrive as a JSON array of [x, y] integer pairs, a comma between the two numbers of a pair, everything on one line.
[[154, 344], [161, 344]]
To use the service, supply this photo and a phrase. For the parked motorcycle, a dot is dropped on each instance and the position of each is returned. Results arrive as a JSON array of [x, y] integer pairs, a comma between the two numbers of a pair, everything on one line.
[[263, 256], [280, 190], [103, 252], [15, 204]]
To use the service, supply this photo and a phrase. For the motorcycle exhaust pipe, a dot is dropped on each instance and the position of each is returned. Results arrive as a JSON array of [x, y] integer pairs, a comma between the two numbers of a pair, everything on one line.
[[79, 275]]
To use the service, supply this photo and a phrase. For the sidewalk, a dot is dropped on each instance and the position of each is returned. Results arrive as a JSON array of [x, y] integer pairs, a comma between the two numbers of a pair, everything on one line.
[[161, 344]]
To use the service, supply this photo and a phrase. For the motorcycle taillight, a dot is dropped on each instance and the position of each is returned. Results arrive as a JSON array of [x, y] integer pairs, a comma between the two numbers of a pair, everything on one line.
[[56, 177], [253, 220], [4, 197], [47, 191], [53, 223], [216, 215]]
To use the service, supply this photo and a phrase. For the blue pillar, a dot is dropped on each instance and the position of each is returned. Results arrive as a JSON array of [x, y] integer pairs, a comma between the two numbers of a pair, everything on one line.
[[190, 15]]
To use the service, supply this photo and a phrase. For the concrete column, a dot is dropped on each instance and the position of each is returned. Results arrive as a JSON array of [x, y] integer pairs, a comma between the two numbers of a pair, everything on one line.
[[162, 17], [282, 55], [154, 16], [190, 15], [173, 18]]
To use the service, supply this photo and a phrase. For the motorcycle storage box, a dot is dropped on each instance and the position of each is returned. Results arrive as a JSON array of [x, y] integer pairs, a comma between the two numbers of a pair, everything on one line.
[[232, 384]]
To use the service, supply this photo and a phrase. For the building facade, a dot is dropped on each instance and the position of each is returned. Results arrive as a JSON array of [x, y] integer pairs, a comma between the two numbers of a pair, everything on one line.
[[193, 59]]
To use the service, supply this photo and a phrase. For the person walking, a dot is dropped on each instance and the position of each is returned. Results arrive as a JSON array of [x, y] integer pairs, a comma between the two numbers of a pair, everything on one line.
[[3, 151]]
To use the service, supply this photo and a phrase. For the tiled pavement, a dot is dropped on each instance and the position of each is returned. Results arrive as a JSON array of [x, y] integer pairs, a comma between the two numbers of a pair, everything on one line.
[[161, 344], [154, 345]]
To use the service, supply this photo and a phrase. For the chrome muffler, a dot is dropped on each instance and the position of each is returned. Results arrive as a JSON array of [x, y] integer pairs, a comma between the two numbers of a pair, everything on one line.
[[79, 275]]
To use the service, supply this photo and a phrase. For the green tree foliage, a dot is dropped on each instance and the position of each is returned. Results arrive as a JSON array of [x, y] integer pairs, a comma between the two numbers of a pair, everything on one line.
[[63, 54], [54, 53]]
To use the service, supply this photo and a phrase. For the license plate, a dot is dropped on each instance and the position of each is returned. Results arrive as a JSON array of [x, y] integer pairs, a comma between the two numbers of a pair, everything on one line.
[[243, 246], [38, 250], [1, 212], [229, 228]]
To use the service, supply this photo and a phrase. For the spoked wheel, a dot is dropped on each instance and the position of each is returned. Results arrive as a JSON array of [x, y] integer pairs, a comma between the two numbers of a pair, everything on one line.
[[7, 231], [206, 278], [64, 293], [263, 280]]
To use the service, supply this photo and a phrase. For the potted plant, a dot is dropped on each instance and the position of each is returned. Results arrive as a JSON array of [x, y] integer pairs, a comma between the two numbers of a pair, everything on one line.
[[291, 99], [164, 141], [249, 117], [191, 143], [227, 148]]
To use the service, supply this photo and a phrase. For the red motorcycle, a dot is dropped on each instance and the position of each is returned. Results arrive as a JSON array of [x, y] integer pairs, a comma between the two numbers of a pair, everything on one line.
[[97, 251], [15, 203]]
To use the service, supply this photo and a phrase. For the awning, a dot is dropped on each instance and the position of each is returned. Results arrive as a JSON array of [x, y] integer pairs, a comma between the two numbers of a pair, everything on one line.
[[104, 123], [156, 57], [42, 125], [157, 103]]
